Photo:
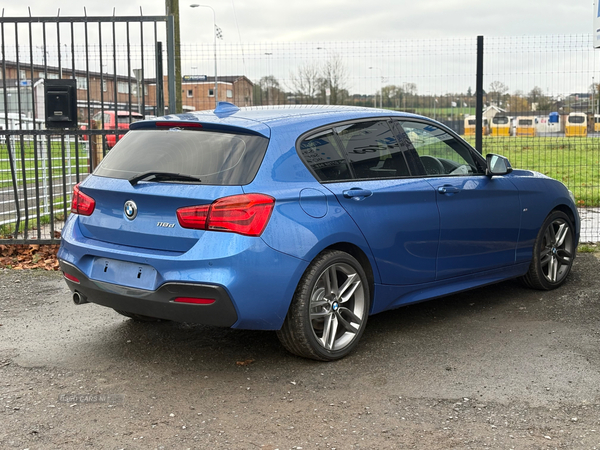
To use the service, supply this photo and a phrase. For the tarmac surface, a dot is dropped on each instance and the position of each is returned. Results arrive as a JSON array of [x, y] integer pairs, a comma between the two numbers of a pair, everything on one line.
[[497, 367]]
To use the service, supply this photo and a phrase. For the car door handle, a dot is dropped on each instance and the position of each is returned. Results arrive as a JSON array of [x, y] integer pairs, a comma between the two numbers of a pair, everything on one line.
[[448, 190], [357, 193]]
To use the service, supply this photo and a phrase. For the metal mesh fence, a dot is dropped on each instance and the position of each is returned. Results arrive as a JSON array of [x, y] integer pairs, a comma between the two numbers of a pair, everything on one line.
[[541, 94], [534, 87]]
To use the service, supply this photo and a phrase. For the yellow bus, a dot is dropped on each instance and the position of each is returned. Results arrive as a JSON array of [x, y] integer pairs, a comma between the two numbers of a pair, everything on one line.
[[596, 122], [470, 126], [525, 126], [576, 125], [500, 126]]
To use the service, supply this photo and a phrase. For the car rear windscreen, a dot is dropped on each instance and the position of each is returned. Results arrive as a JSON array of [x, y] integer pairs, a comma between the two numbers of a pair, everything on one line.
[[221, 159], [128, 119], [576, 119]]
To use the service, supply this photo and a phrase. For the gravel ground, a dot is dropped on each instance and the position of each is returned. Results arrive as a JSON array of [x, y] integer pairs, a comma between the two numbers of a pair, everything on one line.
[[498, 367]]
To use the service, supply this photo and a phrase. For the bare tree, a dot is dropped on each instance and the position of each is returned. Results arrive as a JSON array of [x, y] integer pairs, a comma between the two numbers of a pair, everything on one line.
[[270, 90], [497, 90], [335, 78], [305, 83]]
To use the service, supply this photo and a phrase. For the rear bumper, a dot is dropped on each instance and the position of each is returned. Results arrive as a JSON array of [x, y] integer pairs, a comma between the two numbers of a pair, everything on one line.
[[159, 303]]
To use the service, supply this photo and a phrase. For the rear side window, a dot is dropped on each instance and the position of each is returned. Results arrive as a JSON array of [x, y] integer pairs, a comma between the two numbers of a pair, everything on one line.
[[322, 153], [373, 150], [364, 150], [221, 159]]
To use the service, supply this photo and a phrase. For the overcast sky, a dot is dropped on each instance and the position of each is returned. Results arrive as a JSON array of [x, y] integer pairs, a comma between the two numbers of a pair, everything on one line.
[[345, 20]]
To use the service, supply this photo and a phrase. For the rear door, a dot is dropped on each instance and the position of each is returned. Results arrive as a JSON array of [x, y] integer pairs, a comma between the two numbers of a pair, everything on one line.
[[479, 216], [363, 165]]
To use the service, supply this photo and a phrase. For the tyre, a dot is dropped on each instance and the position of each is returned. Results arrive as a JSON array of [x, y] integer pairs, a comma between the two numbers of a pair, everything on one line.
[[139, 317], [553, 253], [329, 311]]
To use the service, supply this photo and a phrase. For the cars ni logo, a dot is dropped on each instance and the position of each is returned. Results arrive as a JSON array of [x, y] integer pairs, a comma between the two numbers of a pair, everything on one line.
[[130, 209]]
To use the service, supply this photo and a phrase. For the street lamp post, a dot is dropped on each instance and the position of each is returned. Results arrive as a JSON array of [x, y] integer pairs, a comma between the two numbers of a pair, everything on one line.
[[195, 5], [381, 85], [269, 87], [327, 94]]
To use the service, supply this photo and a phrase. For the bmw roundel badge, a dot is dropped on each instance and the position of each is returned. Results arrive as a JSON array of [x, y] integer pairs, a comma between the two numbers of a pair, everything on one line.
[[130, 209]]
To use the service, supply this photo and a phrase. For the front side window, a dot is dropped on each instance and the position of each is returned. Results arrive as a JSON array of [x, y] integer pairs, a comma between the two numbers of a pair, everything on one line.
[[439, 152]]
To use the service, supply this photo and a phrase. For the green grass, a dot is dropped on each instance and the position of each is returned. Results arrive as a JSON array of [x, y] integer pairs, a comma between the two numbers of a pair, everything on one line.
[[9, 228], [443, 113], [574, 161], [588, 248], [28, 152]]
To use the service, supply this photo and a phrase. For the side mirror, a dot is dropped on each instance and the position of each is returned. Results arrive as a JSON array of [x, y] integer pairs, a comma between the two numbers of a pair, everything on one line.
[[497, 165]]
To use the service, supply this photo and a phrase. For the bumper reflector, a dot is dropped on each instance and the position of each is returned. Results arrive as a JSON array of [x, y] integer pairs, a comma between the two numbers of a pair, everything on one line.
[[195, 301], [71, 278]]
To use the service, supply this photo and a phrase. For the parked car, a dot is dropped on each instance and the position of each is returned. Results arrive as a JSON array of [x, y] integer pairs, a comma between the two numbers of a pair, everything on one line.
[[306, 220], [122, 122]]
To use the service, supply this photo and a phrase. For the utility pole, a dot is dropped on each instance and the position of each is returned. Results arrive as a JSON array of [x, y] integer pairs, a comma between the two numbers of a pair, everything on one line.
[[172, 7]]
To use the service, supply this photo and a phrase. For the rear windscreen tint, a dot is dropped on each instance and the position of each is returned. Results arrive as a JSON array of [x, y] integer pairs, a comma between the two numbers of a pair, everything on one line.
[[216, 158]]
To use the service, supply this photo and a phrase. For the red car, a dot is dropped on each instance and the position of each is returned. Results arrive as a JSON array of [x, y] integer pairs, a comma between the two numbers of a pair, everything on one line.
[[124, 118]]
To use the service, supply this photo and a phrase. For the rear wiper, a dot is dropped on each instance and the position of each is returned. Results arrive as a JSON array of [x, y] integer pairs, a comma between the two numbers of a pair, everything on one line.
[[162, 176]]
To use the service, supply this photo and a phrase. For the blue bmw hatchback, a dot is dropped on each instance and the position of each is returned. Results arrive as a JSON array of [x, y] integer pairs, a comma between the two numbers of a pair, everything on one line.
[[306, 220]]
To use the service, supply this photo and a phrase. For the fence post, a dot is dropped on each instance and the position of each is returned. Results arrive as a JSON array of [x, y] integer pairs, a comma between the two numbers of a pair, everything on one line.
[[479, 99], [160, 96], [171, 81]]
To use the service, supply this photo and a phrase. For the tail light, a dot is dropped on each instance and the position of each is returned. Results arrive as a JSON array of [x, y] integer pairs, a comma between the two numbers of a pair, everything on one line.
[[81, 203], [246, 214]]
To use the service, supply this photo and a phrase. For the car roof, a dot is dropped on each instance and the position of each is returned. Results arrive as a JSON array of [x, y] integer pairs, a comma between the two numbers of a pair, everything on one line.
[[261, 119]]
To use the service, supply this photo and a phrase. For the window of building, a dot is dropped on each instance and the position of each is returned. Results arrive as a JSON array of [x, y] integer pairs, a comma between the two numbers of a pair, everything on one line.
[[211, 93], [22, 74], [190, 93], [229, 93], [52, 76], [81, 82], [123, 87], [104, 86]]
